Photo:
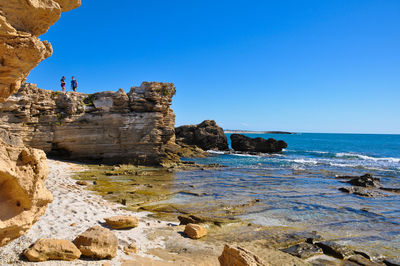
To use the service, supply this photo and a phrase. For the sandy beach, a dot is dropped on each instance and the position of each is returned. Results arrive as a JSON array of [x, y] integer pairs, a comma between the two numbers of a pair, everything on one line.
[[74, 210]]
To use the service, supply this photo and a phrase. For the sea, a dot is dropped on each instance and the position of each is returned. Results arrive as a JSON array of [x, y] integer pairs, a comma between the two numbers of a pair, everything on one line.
[[298, 187]]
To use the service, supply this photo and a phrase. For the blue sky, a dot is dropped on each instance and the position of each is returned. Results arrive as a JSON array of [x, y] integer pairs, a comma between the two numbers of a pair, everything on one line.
[[304, 66]]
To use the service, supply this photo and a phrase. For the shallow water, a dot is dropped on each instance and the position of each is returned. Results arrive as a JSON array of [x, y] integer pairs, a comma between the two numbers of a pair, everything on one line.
[[298, 187]]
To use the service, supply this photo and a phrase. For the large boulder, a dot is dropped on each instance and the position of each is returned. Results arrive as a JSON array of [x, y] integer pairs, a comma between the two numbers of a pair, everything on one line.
[[97, 243], [206, 135], [52, 249], [23, 196], [246, 144]]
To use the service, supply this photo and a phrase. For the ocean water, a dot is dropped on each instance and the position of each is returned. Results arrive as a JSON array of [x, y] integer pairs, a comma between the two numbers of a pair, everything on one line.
[[298, 188]]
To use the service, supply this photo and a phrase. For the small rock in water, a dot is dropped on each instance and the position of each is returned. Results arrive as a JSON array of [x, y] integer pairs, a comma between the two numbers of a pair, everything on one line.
[[98, 243], [335, 250], [122, 222], [366, 180], [361, 191], [304, 250], [195, 231], [82, 183], [391, 262], [237, 256], [52, 249], [361, 260]]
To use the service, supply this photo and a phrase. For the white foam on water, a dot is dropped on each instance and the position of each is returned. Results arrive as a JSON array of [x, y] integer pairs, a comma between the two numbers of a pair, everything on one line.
[[305, 161], [216, 152], [262, 220], [367, 158]]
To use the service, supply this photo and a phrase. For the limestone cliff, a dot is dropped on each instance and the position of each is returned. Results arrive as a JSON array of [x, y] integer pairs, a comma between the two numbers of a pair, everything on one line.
[[133, 127], [21, 22], [23, 197]]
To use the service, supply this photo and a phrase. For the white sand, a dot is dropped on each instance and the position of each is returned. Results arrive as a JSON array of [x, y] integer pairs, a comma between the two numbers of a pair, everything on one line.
[[75, 204]]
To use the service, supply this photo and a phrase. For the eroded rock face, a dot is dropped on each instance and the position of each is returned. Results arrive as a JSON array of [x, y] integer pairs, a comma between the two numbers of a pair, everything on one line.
[[207, 135], [23, 197], [246, 144], [134, 127], [21, 22]]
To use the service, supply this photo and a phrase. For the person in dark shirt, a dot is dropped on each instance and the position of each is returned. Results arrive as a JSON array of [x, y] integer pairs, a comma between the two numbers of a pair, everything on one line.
[[74, 84], [63, 84]]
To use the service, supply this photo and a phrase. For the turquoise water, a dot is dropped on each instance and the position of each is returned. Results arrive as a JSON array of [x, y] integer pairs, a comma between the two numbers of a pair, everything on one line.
[[298, 186]]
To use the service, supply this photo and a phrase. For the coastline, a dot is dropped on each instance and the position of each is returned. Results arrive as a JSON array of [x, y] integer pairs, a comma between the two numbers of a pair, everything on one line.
[[257, 132]]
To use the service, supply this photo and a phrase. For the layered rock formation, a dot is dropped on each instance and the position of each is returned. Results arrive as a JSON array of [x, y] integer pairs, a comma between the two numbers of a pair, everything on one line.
[[206, 135], [21, 22], [246, 144], [134, 127], [23, 197]]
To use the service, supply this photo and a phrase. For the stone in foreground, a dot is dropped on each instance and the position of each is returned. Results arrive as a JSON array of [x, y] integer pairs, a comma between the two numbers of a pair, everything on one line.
[[23, 196], [97, 243], [131, 249], [237, 256], [122, 222], [246, 144], [52, 249], [195, 231]]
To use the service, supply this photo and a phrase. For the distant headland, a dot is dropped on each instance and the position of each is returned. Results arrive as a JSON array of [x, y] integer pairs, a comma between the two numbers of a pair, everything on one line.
[[256, 132]]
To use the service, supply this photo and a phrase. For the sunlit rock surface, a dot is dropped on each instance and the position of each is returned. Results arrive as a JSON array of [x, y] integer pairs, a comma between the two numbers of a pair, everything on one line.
[[133, 127]]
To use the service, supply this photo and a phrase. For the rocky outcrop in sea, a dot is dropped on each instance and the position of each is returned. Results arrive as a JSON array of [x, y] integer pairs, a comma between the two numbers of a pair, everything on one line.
[[245, 144], [134, 127], [207, 135]]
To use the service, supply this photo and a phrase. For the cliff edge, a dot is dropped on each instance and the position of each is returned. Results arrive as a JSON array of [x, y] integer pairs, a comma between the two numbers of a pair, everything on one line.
[[116, 127]]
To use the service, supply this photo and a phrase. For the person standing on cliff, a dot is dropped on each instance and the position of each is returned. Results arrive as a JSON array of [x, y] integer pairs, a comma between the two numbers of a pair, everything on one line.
[[63, 84], [74, 84]]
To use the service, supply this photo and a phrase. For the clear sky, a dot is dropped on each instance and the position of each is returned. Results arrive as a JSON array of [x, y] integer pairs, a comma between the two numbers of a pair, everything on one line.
[[304, 66]]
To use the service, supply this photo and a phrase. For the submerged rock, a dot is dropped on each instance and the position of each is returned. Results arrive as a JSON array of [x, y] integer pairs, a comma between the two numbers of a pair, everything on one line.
[[237, 256], [52, 249], [246, 144], [366, 180], [207, 135], [360, 260], [98, 243], [303, 250], [335, 250], [361, 191]]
